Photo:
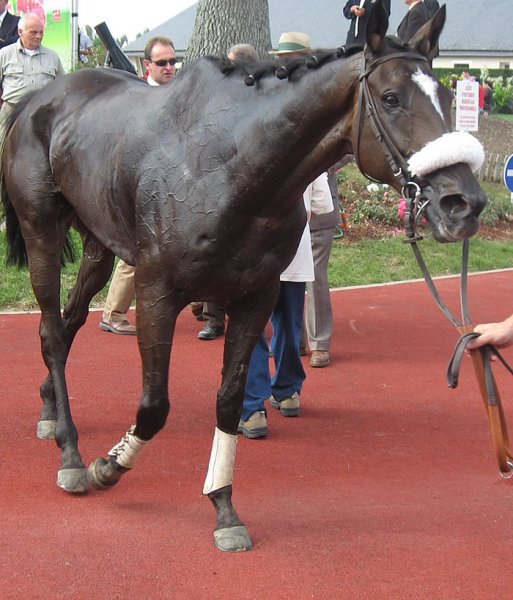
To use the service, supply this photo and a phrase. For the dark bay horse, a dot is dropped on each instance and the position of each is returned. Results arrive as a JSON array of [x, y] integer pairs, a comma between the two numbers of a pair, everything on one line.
[[200, 185]]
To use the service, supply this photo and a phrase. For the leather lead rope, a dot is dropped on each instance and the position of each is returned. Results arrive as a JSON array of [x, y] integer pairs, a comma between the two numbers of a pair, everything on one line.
[[481, 357]]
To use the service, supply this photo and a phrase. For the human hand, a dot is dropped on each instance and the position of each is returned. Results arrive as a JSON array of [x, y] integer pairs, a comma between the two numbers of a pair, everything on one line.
[[497, 334]]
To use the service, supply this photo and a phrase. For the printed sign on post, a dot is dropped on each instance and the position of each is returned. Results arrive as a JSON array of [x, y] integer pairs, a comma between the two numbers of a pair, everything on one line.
[[467, 105]]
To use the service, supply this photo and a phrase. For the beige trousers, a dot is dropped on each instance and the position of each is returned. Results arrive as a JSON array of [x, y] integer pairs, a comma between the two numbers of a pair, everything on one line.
[[5, 111], [121, 293]]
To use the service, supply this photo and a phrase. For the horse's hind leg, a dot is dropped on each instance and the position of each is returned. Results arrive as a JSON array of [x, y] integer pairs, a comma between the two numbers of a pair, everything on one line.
[[94, 273], [57, 335]]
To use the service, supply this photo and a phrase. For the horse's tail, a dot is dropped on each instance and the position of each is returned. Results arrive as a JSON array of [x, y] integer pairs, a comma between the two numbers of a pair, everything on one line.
[[16, 248]]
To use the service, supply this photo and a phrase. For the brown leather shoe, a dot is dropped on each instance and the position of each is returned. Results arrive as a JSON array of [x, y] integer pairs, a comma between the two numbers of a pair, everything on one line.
[[319, 358], [119, 327]]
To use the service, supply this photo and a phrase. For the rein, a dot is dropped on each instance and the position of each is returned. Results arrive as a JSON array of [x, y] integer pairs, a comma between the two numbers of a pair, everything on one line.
[[481, 358]]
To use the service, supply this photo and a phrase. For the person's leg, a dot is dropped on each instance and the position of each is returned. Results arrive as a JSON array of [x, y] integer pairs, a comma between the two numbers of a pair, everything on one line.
[[213, 315], [253, 421], [319, 314], [119, 298], [287, 320]]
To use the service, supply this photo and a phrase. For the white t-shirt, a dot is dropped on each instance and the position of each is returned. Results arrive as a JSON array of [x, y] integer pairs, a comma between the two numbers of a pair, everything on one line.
[[317, 199]]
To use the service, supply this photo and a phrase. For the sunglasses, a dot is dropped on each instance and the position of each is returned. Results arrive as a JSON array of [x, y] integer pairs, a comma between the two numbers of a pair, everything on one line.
[[162, 63]]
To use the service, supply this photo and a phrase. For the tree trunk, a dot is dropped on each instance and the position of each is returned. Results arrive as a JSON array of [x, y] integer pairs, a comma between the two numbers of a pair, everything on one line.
[[221, 23]]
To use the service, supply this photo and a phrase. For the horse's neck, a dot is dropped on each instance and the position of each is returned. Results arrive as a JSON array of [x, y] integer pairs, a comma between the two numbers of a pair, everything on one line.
[[307, 124]]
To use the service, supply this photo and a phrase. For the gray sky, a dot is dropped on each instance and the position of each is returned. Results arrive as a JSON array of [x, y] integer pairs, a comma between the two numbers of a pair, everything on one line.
[[129, 16]]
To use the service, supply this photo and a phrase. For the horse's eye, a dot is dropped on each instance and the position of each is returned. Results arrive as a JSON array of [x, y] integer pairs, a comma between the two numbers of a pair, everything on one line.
[[391, 100]]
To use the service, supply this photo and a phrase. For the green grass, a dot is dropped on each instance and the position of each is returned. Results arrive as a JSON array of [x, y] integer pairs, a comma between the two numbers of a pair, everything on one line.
[[390, 259], [16, 291], [503, 116]]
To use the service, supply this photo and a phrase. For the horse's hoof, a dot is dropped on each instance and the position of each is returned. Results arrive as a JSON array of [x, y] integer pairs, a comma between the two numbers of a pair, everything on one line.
[[46, 430], [102, 474], [72, 480], [232, 539]]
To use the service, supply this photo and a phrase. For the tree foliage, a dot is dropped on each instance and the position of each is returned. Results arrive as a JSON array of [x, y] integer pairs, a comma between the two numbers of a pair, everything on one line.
[[221, 23]]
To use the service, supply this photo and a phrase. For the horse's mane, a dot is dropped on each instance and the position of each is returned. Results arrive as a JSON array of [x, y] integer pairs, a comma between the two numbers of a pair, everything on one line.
[[285, 68]]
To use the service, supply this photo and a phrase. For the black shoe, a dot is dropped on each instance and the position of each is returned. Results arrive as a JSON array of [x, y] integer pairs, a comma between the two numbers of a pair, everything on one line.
[[210, 333]]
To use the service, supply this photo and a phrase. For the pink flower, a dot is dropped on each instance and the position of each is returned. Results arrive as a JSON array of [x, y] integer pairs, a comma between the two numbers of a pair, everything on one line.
[[401, 210]]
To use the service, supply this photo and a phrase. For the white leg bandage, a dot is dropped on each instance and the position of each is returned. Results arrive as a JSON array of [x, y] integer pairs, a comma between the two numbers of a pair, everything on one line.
[[222, 460], [128, 449], [447, 150]]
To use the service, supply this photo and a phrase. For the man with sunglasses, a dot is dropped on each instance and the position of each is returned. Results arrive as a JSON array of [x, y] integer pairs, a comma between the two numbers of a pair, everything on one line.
[[160, 61]]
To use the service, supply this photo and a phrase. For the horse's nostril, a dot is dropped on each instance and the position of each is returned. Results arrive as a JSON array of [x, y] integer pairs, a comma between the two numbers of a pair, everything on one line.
[[455, 206]]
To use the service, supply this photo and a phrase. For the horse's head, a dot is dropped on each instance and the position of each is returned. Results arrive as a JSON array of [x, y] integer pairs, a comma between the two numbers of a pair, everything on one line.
[[403, 131]]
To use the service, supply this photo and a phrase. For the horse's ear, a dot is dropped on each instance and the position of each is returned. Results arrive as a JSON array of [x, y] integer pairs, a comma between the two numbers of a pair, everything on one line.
[[377, 26], [425, 41]]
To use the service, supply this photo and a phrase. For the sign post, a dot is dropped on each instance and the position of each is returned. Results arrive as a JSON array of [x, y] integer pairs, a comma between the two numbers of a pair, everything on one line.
[[467, 105], [508, 175]]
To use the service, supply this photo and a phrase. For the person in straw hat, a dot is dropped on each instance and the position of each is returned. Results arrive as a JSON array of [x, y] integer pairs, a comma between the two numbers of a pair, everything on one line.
[[284, 388], [292, 43], [318, 323]]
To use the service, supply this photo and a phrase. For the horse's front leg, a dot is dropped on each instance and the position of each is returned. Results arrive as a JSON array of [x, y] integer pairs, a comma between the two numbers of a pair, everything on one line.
[[246, 323], [155, 328]]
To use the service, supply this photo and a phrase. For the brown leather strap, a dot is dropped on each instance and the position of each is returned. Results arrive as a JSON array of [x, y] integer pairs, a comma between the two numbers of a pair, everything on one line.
[[481, 360]]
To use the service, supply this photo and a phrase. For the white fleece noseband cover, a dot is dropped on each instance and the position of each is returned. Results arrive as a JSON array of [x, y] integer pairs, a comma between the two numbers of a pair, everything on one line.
[[447, 150], [222, 460]]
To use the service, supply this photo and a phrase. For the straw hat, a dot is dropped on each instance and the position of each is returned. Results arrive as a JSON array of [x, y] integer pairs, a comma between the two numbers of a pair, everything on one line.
[[293, 41]]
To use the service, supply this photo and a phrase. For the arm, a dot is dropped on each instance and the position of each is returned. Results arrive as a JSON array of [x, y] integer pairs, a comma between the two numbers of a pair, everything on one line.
[[348, 14], [321, 201], [10, 30], [497, 334]]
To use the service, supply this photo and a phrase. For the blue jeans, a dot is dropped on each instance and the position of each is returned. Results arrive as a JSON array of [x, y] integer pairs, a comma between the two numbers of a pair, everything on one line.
[[287, 321]]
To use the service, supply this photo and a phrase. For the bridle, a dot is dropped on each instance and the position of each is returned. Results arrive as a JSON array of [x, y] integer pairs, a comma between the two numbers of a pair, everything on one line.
[[411, 185], [415, 204], [367, 107]]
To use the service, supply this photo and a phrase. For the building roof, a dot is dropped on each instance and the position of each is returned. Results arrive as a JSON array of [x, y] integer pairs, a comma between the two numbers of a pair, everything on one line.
[[468, 25]]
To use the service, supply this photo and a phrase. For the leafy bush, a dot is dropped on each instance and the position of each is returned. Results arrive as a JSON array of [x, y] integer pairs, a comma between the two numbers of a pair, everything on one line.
[[499, 208], [364, 201], [503, 97]]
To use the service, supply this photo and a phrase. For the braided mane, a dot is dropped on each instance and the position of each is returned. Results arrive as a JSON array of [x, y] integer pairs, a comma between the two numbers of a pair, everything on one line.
[[284, 67]]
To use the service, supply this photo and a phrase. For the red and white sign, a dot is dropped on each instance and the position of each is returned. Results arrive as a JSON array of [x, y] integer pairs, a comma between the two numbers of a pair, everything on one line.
[[467, 105]]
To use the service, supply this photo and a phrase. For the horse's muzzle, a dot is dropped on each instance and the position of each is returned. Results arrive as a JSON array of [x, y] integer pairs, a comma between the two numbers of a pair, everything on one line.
[[455, 202]]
